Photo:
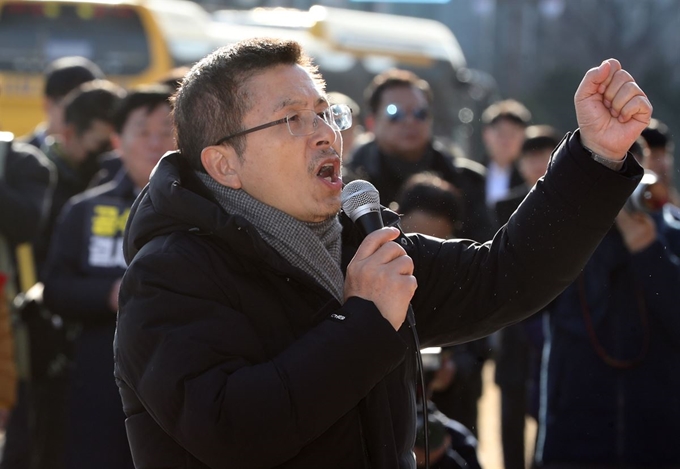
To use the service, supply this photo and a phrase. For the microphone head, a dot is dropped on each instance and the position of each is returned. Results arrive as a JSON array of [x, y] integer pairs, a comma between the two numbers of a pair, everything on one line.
[[359, 197]]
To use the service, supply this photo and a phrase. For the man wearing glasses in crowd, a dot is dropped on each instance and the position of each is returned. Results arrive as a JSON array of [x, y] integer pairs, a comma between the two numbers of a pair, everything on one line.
[[257, 328], [400, 118]]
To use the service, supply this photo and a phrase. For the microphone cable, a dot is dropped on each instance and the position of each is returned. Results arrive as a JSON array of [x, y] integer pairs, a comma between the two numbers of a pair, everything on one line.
[[420, 376], [361, 203]]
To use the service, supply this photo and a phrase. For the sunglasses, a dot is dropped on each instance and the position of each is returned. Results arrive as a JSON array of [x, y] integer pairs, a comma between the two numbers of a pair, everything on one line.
[[396, 114]]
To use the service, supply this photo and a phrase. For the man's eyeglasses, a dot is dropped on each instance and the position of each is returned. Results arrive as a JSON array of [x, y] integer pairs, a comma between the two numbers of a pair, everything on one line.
[[396, 114], [305, 122]]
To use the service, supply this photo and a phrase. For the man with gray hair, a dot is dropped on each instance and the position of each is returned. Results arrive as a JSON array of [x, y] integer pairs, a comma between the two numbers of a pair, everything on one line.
[[257, 327]]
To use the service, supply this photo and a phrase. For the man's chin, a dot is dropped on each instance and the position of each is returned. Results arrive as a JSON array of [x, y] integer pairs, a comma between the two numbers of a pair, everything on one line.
[[331, 212]]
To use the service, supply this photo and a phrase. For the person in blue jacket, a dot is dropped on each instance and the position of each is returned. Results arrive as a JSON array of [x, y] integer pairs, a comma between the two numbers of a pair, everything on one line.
[[610, 387], [83, 274]]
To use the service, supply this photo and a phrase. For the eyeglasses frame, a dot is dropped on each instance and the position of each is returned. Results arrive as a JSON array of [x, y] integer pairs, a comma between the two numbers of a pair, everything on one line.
[[283, 120]]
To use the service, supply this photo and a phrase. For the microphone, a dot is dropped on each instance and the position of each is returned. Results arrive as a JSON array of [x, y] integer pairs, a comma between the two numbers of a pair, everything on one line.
[[361, 202]]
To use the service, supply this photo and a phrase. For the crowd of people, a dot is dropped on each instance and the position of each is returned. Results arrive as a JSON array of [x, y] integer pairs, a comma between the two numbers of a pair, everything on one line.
[[253, 326], [67, 191]]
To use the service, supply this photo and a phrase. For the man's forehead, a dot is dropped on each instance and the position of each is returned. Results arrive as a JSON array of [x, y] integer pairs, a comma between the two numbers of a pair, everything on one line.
[[506, 123], [403, 94], [141, 114], [295, 87]]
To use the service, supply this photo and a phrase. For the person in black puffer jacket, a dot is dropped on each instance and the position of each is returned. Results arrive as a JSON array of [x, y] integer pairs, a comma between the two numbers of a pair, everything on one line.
[[259, 328]]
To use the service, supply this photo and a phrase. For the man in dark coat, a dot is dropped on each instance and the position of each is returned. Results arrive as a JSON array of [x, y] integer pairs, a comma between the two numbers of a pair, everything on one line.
[[86, 134], [62, 76], [400, 118], [257, 329], [82, 278], [503, 133], [26, 180], [610, 387], [518, 355]]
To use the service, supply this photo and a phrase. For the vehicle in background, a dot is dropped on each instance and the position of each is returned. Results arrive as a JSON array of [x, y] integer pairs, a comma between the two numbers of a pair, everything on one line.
[[352, 46], [133, 42]]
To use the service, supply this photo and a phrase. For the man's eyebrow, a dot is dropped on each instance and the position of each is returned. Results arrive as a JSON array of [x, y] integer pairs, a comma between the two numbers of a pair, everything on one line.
[[298, 102]]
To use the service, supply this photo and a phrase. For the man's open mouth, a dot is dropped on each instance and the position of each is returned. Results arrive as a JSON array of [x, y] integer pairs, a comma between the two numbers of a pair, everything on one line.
[[328, 172]]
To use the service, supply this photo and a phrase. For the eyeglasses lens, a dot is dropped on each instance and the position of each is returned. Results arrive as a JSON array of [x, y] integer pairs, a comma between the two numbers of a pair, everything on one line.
[[304, 122], [341, 116]]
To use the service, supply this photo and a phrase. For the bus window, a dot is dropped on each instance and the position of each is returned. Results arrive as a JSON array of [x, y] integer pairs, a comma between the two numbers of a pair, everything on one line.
[[184, 25], [122, 38], [33, 34]]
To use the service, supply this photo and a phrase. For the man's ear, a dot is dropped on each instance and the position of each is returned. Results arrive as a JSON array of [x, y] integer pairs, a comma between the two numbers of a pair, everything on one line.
[[116, 141], [369, 121], [486, 133], [69, 133], [222, 164], [47, 105]]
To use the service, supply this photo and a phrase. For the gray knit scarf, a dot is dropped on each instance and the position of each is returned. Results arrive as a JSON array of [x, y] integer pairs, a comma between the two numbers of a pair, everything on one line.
[[312, 247]]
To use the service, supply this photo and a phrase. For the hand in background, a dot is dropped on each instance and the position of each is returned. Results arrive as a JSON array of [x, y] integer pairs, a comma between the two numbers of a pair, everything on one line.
[[637, 229]]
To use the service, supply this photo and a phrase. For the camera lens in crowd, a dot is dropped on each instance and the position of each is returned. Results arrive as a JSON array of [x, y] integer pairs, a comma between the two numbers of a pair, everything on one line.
[[649, 196]]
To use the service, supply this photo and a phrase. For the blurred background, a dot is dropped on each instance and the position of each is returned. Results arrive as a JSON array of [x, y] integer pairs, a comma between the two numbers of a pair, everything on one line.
[[473, 52]]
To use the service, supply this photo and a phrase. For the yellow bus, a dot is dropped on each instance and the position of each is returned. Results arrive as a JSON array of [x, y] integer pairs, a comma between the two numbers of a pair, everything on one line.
[[128, 39], [351, 47]]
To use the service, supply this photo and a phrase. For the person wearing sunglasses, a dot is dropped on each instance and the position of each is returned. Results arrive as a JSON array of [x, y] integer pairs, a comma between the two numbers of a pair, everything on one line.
[[400, 118], [258, 327], [401, 121]]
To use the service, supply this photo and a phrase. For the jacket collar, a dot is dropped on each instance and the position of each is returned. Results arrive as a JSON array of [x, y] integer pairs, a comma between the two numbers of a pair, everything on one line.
[[176, 200]]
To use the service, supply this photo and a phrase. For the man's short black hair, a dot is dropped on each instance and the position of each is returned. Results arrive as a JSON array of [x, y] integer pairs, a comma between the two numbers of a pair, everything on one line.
[[656, 134], [94, 100], [148, 97], [394, 78], [639, 149], [539, 138], [66, 74], [431, 194], [509, 110]]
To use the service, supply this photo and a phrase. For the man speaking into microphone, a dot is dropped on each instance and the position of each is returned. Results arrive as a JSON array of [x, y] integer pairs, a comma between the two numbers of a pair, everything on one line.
[[259, 327]]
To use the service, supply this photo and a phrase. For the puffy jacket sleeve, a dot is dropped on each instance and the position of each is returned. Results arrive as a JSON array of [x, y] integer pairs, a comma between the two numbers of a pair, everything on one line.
[[468, 290], [199, 369]]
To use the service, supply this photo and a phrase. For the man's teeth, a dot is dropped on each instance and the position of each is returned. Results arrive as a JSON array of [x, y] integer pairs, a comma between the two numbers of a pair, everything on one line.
[[326, 172]]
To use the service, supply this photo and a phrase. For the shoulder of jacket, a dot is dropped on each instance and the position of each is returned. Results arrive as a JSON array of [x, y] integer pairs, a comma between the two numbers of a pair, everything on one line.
[[470, 166], [458, 160], [190, 256], [30, 154], [180, 244], [104, 193], [362, 153]]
